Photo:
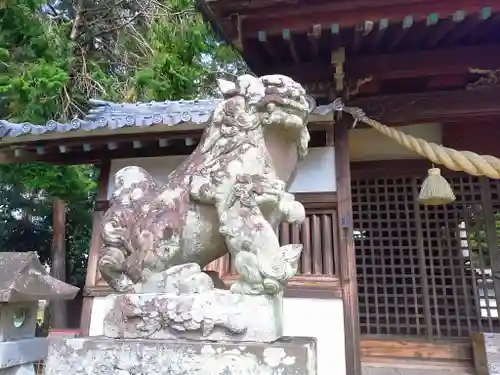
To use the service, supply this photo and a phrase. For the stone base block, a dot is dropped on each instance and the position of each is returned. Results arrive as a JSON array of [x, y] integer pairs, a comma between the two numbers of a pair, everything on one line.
[[26, 369], [104, 356], [20, 352], [211, 315]]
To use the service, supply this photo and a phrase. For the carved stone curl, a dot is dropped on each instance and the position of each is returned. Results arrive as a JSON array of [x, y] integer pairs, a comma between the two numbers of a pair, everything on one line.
[[187, 305], [228, 196]]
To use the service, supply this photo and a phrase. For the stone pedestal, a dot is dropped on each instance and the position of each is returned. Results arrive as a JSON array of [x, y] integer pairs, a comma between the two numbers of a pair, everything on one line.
[[18, 357], [486, 347], [105, 356], [212, 315]]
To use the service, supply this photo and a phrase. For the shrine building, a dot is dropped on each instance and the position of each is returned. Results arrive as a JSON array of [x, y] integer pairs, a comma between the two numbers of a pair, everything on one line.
[[417, 283]]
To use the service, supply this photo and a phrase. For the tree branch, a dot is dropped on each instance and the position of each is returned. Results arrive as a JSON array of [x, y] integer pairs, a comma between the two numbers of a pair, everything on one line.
[[54, 11], [115, 28], [77, 21]]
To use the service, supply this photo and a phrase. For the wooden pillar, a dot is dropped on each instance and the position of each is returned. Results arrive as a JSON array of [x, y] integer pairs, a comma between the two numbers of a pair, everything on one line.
[[58, 308], [95, 244], [491, 237], [347, 253]]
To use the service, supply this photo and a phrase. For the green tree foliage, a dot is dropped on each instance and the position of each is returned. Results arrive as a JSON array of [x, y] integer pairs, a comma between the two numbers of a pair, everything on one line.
[[26, 192], [56, 55]]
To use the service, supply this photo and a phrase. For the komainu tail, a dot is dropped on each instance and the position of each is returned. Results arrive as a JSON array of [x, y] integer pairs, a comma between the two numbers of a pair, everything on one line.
[[118, 258]]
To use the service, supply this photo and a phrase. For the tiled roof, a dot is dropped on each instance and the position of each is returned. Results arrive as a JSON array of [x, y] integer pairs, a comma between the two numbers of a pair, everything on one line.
[[110, 115]]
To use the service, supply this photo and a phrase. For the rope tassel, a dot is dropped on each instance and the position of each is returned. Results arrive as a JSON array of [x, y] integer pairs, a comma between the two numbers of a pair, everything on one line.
[[435, 190]]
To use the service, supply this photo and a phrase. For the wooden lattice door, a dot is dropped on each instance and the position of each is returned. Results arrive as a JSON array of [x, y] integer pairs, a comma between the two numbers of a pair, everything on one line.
[[426, 271]]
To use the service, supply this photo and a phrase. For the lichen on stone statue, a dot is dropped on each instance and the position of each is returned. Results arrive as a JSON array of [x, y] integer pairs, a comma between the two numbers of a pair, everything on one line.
[[229, 195]]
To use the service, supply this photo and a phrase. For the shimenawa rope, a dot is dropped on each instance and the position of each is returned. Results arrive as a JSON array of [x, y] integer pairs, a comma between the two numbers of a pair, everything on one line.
[[464, 161]]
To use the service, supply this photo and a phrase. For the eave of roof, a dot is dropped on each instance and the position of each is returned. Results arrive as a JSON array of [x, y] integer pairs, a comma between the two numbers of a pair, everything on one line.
[[297, 37], [106, 117], [113, 119]]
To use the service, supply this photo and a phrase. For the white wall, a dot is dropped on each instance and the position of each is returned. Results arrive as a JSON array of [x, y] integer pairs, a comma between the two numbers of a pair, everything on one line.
[[316, 173], [323, 319], [310, 317], [100, 307], [367, 144]]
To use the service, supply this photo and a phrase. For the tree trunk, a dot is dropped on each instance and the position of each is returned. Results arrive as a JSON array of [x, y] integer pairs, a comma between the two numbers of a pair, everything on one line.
[[58, 311]]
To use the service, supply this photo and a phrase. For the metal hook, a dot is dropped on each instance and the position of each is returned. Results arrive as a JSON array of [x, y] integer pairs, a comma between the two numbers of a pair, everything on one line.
[[338, 105]]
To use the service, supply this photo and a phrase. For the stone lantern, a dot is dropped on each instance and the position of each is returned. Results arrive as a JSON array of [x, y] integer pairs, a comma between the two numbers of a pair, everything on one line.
[[23, 283]]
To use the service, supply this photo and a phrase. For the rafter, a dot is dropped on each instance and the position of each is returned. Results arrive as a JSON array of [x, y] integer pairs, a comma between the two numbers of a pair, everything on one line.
[[269, 49], [405, 26], [301, 17], [314, 37], [467, 27], [378, 34], [287, 37]]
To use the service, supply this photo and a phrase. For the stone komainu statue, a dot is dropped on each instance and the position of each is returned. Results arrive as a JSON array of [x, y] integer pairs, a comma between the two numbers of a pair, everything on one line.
[[229, 195]]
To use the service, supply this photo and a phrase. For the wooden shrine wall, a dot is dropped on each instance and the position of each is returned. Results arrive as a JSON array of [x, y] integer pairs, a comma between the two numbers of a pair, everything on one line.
[[426, 271], [318, 267]]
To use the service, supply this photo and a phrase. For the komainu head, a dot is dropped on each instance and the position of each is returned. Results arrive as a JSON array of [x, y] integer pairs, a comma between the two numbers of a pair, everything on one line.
[[277, 102]]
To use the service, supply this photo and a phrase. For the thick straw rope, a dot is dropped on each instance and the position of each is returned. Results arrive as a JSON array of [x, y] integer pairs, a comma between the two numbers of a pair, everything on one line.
[[464, 161]]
